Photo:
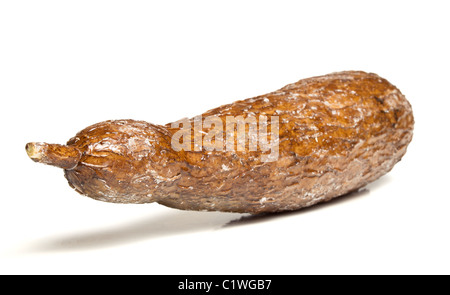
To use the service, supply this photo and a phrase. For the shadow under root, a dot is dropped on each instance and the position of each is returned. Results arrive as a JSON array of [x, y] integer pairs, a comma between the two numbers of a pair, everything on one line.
[[176, 222]]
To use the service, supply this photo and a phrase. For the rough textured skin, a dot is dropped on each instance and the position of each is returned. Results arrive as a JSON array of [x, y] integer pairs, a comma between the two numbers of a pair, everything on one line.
[[337, 133]]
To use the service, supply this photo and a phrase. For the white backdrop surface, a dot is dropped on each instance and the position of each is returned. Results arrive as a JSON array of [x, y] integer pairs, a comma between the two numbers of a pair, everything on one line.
[[65, 65]]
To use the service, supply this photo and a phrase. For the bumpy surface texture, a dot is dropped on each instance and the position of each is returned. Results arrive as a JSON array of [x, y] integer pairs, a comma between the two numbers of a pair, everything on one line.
[[337, 133]]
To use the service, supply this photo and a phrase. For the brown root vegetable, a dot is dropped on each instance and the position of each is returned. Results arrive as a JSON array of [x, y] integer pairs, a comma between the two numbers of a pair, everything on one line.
[[319, 138]]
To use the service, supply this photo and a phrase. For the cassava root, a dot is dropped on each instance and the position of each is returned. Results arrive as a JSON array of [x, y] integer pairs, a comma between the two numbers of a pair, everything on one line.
[[335, 134]]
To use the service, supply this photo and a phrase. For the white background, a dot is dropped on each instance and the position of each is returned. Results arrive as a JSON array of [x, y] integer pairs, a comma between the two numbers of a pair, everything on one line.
[[65, 65]]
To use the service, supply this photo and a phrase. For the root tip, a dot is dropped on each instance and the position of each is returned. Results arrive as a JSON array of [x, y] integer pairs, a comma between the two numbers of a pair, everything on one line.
[[62, 156], [34, 151]]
